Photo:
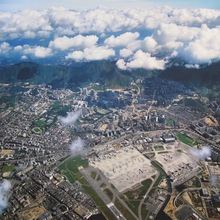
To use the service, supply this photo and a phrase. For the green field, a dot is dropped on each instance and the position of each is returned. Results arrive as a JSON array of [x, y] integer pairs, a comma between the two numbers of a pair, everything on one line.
[[8, 168], [123, 210], [40, 123], [186, 140], [133, 198], [37, 130], [183, 138], [170, 122], [139, 193], [69, 168]]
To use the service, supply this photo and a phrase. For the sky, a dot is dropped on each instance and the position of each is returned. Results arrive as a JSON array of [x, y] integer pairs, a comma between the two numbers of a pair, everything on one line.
[[134, 33], [15, 5]]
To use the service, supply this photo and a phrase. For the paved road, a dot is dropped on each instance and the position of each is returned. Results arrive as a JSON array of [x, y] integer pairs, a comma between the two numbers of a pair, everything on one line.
[[101, 194]]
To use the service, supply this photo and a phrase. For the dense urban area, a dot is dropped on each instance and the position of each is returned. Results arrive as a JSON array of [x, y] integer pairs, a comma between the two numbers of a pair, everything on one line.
[[142, 152]]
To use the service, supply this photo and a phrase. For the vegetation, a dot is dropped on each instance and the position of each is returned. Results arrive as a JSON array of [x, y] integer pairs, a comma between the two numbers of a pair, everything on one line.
[[8, 168], [40, 123], [91, 192], [58, 108], [109, 193], [196, 182], [9, 100], [93, 174], [133, 205], [189, 141], [186, 140], [133, 198], [102, 185], [179, 202], [69, 168], [159, 148], [37, 130], [139, 193], [170, 122], [123, 210], [163, 152], [144, 212], [160, 177], [157, 164], [150, 155], [195, 104]]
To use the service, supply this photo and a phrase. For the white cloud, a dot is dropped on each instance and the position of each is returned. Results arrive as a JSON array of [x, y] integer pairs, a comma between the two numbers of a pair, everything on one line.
[[201, 154], [37, 51], [76, 55], [23, 24], [149, 44], [5, 187], [5, 48], [78, 147], [204, 48], [93, 53], [121, 40], [71, 118], [65, 43], [168, 32], [160, 33], [142, 60], [121, 64], [125, 52]]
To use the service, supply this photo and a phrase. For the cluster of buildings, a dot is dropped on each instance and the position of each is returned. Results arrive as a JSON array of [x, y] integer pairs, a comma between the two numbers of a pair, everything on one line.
[[33, 140]]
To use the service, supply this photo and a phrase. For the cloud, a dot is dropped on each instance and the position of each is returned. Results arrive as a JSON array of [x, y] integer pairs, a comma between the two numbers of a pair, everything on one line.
[[201, 154], [90, 54], [78, 147], [32, 51], [125, 52], [5, 187], [121, 40], [71, 118], [149, 44], [65, 43], [213, 180], [37, 51], [5, 48], [134, 38], [205, 47], [142, 60], [23, 24]]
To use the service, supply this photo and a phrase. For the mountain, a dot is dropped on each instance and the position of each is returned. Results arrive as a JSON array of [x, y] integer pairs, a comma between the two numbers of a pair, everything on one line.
[[207, 78], [206, 75], [63, 75]]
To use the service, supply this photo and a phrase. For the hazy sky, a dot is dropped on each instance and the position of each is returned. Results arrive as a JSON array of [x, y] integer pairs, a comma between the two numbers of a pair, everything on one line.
[[15, 5]]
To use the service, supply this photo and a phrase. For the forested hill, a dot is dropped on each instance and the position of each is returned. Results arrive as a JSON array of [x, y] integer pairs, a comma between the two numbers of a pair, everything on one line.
[[107, 73]]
